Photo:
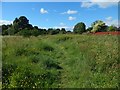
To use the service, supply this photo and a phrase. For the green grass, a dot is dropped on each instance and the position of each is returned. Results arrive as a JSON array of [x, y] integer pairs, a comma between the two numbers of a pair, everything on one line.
[[60, 61], [0, 62]]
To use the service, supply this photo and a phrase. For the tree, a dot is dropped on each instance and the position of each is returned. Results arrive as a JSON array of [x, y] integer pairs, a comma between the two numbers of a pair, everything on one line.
[[49, 31], [25, 33], [11, 31], [34, 32], [29, 26], [21, 23], [4, 30], [69, 32], [118, 29], [79, 28], [112, 28], [98, 26], [89, 28], [63, 31], [36, 27]]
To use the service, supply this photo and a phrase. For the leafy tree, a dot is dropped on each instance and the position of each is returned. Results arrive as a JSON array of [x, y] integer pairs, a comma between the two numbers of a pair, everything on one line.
[[21, 23], [98, 26], [118, 29], [0, 29], [36, 27], [11, 31], [89, 28], [79, 28], [34, 32], [42, 31], [50, 30], [29, 26], [63, 31], [4, 30], [4, 27], [112, 28], [68, 32], [25, 33]]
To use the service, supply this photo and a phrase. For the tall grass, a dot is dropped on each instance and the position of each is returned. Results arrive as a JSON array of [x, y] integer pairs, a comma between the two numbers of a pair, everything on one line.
[[0, 62], [61, 61]]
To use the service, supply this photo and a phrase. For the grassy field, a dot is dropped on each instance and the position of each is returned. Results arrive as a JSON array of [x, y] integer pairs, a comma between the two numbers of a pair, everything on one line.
[[0, 62], [60, 61]]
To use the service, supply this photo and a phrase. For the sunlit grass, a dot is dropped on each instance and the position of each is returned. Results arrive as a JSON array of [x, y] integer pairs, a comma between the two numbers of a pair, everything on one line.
[[65, 61]]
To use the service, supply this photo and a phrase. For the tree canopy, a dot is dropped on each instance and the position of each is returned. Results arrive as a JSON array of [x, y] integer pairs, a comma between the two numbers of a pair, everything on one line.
[[79, 28], [21, 26]]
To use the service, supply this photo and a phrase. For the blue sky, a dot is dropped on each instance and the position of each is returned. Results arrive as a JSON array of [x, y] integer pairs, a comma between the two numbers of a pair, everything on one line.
[[60, 14]]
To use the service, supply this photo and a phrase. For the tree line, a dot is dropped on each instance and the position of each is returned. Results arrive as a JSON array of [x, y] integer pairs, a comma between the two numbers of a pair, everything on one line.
[[22, 27]]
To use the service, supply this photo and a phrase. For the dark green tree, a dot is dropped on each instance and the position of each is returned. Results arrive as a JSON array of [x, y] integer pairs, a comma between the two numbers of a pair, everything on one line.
[[4, 30], [25, 33], [36, 27], [50, 30], [29, 27], [112, 28], [63, 31], [79, 28], [23, 22]]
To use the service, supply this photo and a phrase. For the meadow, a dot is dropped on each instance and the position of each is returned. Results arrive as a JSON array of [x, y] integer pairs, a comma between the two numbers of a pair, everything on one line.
[[60, 61], [0, 62]]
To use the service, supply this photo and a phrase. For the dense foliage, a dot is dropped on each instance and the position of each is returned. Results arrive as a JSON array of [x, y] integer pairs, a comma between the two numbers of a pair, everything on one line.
[[98, 26], [79, 28], [22, 27]]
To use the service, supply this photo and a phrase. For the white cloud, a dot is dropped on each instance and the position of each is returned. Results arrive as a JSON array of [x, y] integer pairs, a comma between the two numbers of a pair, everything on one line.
[[6, 22], [70, 12], [42, 27], [100, 3], [71, 18], [87, 4], [55, 27], [109, 18], [110, 21], [43, 11]]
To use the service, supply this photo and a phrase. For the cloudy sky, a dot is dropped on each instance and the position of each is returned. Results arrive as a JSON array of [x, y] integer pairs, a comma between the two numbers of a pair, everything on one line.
[[60, 14]]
